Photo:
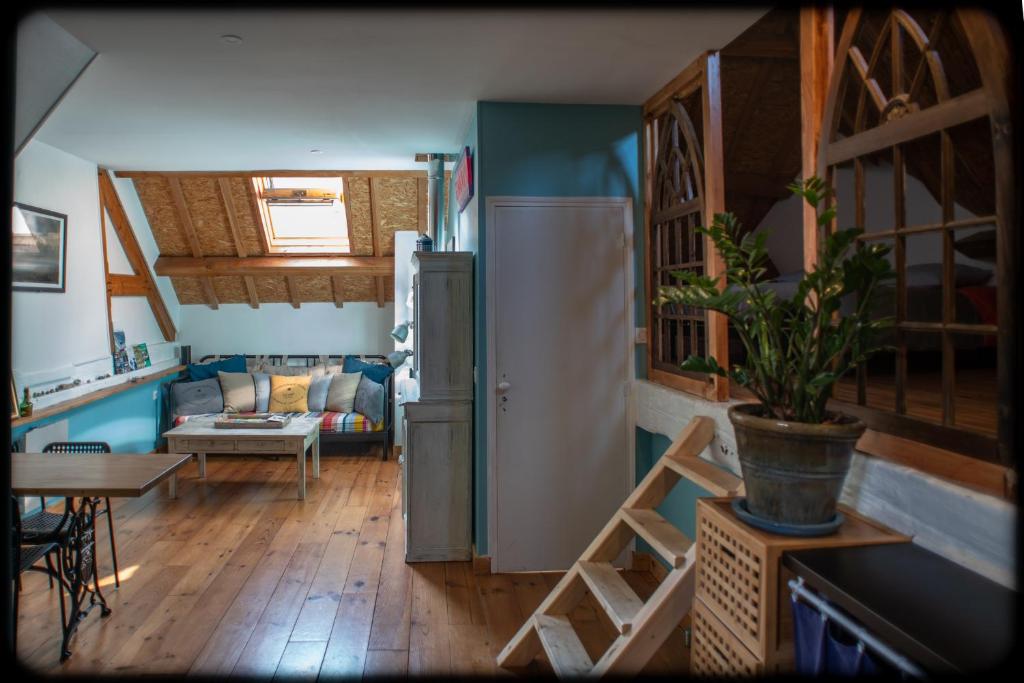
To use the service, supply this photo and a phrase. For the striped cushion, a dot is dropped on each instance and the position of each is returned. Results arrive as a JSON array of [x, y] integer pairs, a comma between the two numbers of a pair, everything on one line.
[[335, 423]]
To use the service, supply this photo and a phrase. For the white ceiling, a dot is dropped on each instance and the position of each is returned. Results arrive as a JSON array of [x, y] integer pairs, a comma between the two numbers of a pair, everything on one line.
[[370, 89]]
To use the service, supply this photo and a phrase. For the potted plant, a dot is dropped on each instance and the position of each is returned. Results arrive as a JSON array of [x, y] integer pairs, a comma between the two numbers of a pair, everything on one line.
[[794, 453]]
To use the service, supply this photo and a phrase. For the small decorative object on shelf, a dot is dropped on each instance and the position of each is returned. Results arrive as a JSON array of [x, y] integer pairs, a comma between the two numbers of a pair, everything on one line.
[[424, 243], [141, 354], [25, 409], [122, 362]]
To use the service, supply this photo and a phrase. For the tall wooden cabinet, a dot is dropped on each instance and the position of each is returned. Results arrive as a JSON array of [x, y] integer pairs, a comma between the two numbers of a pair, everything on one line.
[[437, 455]]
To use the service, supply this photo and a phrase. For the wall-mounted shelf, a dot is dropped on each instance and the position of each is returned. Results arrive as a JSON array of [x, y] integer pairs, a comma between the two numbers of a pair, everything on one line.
[[91, 397]]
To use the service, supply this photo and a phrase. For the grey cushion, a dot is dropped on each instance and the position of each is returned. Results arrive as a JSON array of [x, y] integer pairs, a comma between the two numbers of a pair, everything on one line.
[[262, 391], [197, 398], [930, 275], [369, 399], [317, 398]]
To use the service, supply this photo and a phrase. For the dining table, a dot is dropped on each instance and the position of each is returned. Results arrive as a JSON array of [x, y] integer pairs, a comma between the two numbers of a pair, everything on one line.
[[87, 477]]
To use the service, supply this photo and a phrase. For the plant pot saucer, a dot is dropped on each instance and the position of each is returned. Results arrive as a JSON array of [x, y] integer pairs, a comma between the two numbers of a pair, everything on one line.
[[739, 506]]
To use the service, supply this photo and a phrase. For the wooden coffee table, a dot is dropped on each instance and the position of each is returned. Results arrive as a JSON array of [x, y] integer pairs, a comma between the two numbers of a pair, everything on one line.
[[199, 436]]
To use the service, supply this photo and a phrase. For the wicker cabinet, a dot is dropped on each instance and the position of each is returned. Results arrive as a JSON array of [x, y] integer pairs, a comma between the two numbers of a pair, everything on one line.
[[742, 622], [437, 455]]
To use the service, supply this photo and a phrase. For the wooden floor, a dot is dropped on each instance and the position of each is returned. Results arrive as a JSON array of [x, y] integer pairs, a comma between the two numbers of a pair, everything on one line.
[[238, 577]]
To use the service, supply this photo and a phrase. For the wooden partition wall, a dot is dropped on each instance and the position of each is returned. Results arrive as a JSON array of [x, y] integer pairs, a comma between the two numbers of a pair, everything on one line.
[[683, 190]]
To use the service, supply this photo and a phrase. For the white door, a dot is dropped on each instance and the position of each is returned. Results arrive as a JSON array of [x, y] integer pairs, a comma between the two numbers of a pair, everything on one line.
[[560, 323]]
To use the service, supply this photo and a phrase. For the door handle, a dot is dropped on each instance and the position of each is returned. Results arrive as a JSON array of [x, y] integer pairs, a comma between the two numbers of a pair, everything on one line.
[[503, 387]]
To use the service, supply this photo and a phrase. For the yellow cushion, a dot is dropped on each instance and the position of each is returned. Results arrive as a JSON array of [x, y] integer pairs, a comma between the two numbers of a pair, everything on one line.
[[289, 394]]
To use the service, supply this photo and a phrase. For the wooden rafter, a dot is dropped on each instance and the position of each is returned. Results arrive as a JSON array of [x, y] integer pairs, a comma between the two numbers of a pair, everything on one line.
[[378, 282], [141, 283], [293, 292], [215, 266], [338, 291], [191, 236], [236, 237], [346, 198]]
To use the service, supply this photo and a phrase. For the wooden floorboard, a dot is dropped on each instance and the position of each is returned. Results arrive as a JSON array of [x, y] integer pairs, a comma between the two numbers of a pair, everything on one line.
[[236, 576]]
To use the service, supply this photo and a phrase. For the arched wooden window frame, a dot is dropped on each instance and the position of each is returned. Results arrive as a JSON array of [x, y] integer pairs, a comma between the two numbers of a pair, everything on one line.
[[707, 191], [992, 99]]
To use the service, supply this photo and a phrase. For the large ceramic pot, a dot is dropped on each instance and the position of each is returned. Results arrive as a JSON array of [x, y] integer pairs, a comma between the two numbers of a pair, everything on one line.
[[793, 471]]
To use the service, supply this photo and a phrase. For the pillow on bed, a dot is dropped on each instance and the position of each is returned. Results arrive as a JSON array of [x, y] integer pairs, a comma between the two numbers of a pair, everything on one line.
[[239, 391], [370, 399], [197, 398], [289, 394], [318, 387]]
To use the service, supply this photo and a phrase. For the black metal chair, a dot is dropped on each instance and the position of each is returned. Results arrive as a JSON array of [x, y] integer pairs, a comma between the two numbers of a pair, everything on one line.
[[24, 558], [45, 525]]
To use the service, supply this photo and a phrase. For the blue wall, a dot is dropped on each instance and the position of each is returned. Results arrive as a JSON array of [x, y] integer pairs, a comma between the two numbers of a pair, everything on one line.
[[552, 150], [129, 421]]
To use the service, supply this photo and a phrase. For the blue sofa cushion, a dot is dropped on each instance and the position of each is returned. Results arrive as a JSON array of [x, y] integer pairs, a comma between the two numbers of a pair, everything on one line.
[[377, 372], [198, 371]]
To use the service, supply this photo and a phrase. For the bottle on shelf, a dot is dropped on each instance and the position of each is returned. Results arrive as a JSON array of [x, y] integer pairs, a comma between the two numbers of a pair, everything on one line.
[[25, 407]]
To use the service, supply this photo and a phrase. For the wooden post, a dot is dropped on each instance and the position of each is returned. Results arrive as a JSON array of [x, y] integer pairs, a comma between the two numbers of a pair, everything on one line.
[[816, 51]]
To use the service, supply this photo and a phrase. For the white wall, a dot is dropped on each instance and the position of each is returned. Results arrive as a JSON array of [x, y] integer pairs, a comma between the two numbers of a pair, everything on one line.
[[784, 222], [358, 327], [52, 333], [973, 529], [61, 337]]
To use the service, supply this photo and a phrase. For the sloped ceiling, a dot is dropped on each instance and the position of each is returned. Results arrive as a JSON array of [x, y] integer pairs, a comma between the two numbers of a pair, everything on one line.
[[397, 202]]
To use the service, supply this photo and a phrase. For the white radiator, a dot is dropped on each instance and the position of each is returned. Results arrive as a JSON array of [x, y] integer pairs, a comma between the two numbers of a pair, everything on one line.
[[34, 442]]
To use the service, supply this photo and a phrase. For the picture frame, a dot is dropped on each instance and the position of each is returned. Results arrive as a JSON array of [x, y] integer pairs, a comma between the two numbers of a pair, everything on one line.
[[39, 248]]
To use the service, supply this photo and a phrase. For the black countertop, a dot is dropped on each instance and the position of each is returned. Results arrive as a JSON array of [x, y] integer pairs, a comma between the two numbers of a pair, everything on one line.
[[944, 617]]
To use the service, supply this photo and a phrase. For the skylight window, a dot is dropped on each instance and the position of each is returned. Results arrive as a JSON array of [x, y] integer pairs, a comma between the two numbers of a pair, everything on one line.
[[304, 215]]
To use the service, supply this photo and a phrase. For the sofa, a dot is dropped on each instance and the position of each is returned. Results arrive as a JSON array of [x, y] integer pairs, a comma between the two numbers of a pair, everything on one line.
[[335, 427]]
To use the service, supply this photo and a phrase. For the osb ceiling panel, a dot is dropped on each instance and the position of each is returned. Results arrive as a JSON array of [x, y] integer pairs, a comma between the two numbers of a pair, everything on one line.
[[360, 213], [400, 202], [206, 210], [155, 196], [398, 206]]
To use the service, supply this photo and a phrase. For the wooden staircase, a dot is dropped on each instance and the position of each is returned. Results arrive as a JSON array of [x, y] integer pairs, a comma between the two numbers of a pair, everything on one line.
[[642, 626]]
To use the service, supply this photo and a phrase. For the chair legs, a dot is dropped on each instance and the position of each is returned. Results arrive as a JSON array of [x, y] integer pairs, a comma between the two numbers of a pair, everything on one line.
[[113, 545]]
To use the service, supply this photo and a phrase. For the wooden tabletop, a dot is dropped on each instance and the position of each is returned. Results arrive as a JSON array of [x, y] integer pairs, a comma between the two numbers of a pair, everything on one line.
[[115, 475]]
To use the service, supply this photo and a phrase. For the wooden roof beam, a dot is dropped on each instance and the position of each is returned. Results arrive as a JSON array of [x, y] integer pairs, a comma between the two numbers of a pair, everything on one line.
[[293, 292], [338, 291], [193, 239], [256, 266], [236, 237], [110, 202]]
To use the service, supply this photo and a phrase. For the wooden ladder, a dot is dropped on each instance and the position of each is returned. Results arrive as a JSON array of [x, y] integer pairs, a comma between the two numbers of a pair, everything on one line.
[[643, 626]]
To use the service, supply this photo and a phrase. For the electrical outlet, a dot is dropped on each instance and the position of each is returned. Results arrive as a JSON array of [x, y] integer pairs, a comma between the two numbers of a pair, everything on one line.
[[641, 335], [154, 394]]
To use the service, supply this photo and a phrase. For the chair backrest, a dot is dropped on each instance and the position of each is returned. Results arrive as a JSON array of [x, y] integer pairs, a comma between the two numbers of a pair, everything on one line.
[[74, 447]]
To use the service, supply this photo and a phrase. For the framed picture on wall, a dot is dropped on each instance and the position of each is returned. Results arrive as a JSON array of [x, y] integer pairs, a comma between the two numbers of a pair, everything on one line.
[[38, 249]]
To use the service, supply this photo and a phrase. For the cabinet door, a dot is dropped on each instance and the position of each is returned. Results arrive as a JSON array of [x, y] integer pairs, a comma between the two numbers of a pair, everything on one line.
[[438, 518]]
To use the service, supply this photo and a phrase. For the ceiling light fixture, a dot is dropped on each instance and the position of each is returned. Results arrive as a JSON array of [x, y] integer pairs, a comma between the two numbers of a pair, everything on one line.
[[231, 39], [316, 151]]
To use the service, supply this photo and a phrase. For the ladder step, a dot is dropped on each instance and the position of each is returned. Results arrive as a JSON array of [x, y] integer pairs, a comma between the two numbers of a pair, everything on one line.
[[667, 541], [705, 474], [566, 653], [619, 601]]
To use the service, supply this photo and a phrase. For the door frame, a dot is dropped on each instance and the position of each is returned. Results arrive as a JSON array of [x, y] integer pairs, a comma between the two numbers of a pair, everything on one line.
[[493, 203]]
